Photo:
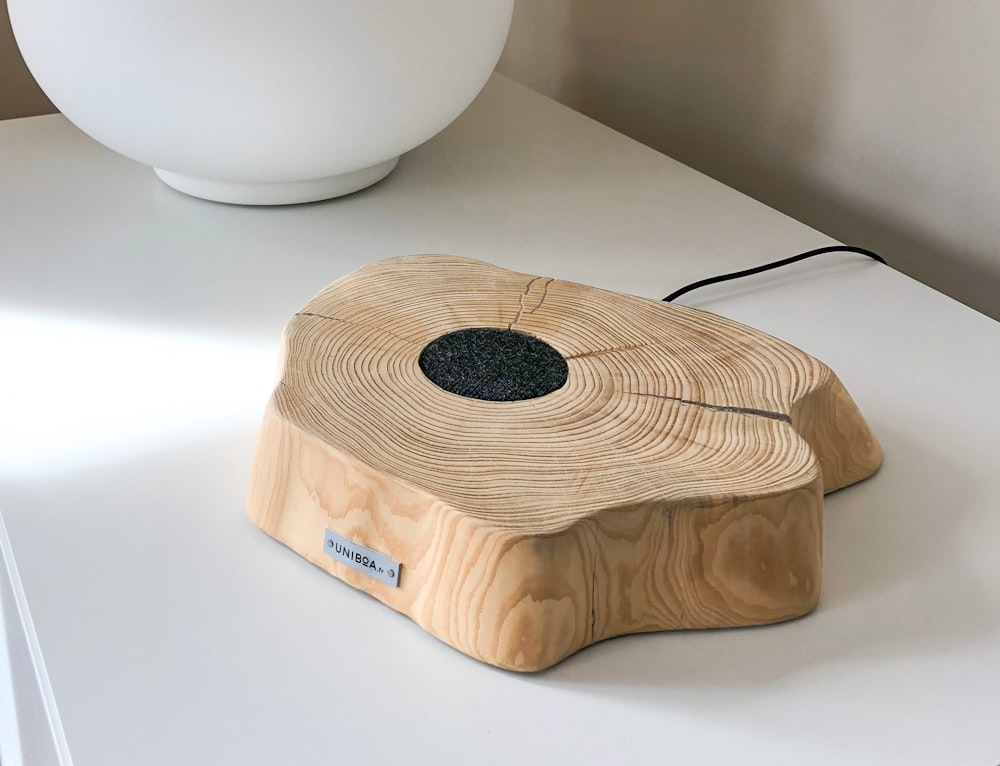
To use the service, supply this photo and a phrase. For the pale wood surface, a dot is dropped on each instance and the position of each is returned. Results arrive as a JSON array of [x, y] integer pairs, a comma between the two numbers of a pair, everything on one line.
[[675, 481]]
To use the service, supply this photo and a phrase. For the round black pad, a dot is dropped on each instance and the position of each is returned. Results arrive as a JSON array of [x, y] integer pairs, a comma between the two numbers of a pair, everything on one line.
[[494, 365]]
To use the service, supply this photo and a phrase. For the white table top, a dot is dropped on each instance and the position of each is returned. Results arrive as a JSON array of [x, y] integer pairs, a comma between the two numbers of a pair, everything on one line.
[[138, 331]]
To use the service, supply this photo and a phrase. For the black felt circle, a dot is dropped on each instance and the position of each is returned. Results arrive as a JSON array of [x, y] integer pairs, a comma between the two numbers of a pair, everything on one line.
[[494, 365]]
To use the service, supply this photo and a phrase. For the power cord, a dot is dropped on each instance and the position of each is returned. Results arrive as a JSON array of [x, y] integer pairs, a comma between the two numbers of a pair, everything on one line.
[[773, 265]]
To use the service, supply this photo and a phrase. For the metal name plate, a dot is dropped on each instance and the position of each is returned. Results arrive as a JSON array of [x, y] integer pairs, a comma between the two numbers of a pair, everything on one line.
[[362, 559]]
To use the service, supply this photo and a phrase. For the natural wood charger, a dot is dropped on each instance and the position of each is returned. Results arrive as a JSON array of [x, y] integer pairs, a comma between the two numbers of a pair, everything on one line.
[[674, 481]]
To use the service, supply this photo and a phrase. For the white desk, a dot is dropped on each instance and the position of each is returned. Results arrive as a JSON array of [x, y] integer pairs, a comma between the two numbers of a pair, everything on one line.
[[138, 333]]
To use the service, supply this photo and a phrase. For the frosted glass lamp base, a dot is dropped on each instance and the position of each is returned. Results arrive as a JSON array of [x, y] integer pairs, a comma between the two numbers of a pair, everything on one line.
[[281, 193]]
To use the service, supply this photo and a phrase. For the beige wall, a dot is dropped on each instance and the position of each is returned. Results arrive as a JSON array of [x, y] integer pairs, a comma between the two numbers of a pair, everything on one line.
[[19, 95], [876, 122]]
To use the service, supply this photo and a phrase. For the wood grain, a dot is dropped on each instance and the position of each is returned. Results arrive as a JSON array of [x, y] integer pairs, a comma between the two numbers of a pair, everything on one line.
[[674, 481]]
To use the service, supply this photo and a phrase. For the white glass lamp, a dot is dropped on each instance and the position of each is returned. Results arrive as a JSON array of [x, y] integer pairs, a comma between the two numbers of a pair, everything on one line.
[[257, 101]]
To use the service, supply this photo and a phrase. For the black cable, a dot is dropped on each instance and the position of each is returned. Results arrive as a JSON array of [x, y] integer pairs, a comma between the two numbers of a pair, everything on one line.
[[773, 265]]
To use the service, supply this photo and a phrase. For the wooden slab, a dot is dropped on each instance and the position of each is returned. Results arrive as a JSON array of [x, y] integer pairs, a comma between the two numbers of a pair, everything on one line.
[[674, 481]]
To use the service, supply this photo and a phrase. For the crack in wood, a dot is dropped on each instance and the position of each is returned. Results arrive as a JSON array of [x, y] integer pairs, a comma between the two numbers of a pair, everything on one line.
[[603, 351], [719, 407], [527, 290], [545, 294]]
